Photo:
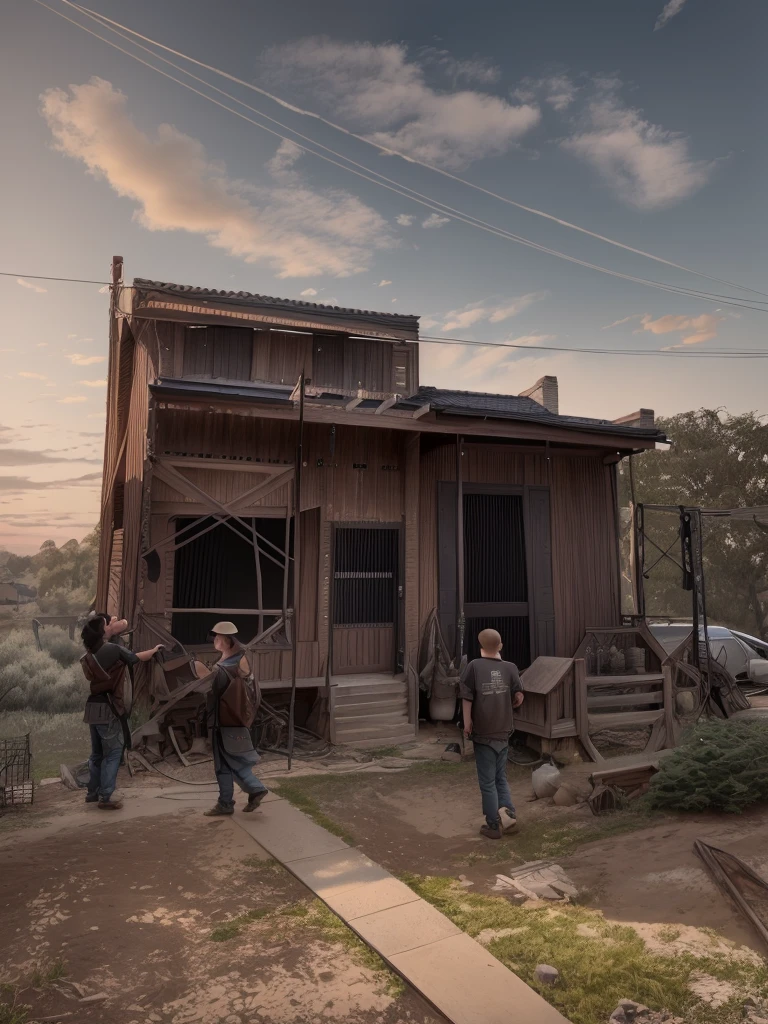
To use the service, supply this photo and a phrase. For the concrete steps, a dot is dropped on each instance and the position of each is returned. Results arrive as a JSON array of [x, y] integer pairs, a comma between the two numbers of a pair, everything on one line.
[[370, 710]]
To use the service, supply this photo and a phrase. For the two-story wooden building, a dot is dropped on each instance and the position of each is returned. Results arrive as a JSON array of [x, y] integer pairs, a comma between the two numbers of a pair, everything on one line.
[[198, 519]]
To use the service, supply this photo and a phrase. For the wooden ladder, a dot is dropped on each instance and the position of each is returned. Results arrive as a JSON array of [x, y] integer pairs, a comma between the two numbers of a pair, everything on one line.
[[651, 688]]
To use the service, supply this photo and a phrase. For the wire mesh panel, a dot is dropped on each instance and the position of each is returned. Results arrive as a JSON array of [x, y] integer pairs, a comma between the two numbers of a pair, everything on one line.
[[365, 577], [494, 549], [15, 762]]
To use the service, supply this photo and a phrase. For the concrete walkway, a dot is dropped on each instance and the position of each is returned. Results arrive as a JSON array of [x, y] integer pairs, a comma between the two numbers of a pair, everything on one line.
[[453, 972]]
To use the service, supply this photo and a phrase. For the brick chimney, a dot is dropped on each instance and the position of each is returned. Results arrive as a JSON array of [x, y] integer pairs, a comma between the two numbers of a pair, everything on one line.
[[641, 418], [544, 391]]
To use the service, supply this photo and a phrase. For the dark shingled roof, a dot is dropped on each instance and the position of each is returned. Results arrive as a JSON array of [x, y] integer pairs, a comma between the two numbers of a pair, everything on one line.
[[316, 309]]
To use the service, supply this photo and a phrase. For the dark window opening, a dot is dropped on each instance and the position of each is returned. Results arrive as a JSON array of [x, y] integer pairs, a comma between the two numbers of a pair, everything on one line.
[[515, 636], [218, 570], [365, 577], [494, 549]]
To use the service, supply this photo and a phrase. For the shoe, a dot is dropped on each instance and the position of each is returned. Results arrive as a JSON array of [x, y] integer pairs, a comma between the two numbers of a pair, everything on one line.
[[110, 805], [491, 832], [92, 798], [219, 810], [253, 801], [508, 819]]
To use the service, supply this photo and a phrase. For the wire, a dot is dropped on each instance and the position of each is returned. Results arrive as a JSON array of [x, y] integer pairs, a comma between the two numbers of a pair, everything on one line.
[[404, 191], [43, 277], [102, 19]]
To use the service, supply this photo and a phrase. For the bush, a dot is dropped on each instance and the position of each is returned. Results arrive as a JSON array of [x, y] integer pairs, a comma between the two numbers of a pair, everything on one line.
[[721, 765], [34, 680], [58, 644]]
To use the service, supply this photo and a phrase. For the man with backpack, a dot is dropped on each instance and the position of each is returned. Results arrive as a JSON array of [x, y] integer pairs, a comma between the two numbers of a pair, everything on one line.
[[108, 667], [231, 709]]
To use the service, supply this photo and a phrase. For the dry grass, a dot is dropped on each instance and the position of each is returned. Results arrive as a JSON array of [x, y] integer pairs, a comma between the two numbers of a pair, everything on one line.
[[55, 738]]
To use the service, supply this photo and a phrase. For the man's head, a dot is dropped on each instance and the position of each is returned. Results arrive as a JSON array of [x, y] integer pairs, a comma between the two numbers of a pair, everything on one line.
[[225, 637], [100, 627], [490, 643]]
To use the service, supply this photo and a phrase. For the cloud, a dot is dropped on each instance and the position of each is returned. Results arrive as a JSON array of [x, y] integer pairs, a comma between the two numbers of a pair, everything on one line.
[[556, 90], [476, 69], [71, 399], [405, 219], [80, 360], [32, 287], [23, 457], [494, 313], [32, 376], [671, 8], [647, 166], [17, 484], [94, 383], [618, 323], [308, 293], [377, 90], [285, 225], [282, 163], [71, 336], [703, 327], [434, 220], [383, 283]]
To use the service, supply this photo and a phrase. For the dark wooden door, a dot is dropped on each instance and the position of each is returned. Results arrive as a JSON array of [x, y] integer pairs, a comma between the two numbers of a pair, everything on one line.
[[366, 599], [507, 568]]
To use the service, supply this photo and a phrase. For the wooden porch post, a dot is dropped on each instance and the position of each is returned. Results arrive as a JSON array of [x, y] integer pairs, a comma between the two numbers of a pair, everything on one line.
[[296, 561], [460, 623]]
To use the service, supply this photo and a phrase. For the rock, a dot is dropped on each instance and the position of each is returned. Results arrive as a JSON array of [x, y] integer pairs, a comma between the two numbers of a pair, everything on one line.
[[451, 753], [565, 888], [542, 891], [97, 997], [628, 1011], [547, 975], [545, 781]]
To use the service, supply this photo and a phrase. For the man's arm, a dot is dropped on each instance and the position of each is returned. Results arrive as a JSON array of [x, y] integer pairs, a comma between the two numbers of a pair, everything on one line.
[[466, 711], [516, 688], [467, 691]]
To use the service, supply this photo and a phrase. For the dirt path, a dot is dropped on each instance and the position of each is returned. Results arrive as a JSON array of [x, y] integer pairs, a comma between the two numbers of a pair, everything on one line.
[[173, 918]]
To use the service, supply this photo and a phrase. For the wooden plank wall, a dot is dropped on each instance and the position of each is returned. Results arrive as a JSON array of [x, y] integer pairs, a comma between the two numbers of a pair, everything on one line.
[[584, 567], [135, 455]]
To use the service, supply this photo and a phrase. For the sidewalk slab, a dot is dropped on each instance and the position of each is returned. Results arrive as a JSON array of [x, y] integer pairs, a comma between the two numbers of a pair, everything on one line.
[[469, 986], [402, 928], [338, 872], [371, 898], [287, 834]]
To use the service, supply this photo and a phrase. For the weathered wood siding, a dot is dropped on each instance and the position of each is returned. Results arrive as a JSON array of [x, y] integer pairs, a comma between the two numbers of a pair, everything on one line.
[[584, 556]]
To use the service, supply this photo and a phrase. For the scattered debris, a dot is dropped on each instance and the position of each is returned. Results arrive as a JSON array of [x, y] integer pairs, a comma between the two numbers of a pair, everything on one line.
[[547, 975], [755, 1012], [545, 781], [539, 880], [451, 753], [628, 1011], [97, 997], [737, 879]]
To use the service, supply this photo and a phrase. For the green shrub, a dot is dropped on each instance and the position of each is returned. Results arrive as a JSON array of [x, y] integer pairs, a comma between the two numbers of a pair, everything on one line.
[[34, 680], [721, 765], [57, 643]]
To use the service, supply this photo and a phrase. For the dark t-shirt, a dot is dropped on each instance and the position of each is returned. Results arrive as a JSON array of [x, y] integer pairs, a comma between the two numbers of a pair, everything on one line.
[[99, 706], [490, 684]]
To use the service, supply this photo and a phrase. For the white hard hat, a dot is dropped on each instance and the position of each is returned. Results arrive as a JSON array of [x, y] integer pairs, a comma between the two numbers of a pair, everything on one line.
[[225, 628]]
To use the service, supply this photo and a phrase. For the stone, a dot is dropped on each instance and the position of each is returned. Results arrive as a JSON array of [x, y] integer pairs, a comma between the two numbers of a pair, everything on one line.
[[685, 701], [565, 797], [628, 1011], [546, 974]]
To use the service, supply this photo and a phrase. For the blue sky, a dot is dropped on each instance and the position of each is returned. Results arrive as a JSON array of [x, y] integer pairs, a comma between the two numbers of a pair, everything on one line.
[[634, 119]]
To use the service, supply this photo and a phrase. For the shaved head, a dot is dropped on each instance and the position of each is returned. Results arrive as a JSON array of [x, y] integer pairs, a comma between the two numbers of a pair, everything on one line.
[[490, 640]]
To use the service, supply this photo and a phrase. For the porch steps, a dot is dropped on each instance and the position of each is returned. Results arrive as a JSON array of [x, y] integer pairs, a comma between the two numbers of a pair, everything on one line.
[[370, 710]]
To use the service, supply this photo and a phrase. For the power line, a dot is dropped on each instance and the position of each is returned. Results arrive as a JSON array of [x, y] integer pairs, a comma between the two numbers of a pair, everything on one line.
[[101, 18], [434, 205], [43, 277]]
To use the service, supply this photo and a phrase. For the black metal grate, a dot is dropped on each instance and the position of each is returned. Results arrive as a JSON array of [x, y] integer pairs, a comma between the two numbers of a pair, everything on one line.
[[16, 786], [494, 549], [515, 636], [365, 577]]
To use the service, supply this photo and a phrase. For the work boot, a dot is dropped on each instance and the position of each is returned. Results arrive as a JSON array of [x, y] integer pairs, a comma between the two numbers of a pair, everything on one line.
[[253, 801], [92, 798], [491, 831], [220, 810], [111, 804]]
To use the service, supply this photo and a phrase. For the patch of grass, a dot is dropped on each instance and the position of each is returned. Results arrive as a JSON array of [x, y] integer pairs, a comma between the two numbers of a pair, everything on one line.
[[46, 973], [55, 739], [232, 928], [668, 934], [543, 839], [597, 969], [14, 1013], [295, 793], [268, 866], [333, 929], [385, 752]]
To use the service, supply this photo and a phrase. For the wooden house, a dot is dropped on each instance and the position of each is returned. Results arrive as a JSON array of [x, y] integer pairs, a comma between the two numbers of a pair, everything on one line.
[[495, 510]]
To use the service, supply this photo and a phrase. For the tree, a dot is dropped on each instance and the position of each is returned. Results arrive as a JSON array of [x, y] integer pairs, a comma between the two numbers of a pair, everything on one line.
[[67, 575], [717, 461]]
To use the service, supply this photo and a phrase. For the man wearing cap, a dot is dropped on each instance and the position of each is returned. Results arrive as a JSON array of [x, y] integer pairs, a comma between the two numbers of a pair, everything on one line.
[[231, 707]]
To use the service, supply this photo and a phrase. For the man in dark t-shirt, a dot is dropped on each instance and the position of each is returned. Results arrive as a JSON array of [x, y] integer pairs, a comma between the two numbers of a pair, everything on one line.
[[490, 688]]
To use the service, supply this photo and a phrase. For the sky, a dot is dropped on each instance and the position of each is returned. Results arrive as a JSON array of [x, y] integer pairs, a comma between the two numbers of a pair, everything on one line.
[[633, 119]]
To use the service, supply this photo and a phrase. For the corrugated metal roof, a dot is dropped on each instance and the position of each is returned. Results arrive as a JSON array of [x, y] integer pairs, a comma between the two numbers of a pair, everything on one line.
[[401, 320], [442, 398]]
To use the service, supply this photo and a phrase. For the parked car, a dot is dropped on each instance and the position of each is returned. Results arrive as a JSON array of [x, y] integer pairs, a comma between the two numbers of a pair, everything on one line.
[[745, 657]]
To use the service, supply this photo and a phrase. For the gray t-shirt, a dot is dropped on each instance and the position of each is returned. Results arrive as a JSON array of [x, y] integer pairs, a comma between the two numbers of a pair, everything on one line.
[[490, 684]]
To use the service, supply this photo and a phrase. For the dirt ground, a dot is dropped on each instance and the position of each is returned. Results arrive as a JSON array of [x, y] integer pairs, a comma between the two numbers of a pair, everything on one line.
[[168, 917]]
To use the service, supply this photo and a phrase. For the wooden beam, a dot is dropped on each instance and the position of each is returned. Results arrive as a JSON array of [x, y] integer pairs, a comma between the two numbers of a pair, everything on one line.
[[235, 465], [353, 404], [386, 404], [421, 411]]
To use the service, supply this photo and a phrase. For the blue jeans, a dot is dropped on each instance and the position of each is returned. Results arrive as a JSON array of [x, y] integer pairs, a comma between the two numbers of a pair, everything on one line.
[[106, 754], [492, 776], [227, 771]]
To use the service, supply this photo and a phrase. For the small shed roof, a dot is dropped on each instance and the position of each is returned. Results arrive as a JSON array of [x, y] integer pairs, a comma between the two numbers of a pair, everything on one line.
[[545, 673]]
